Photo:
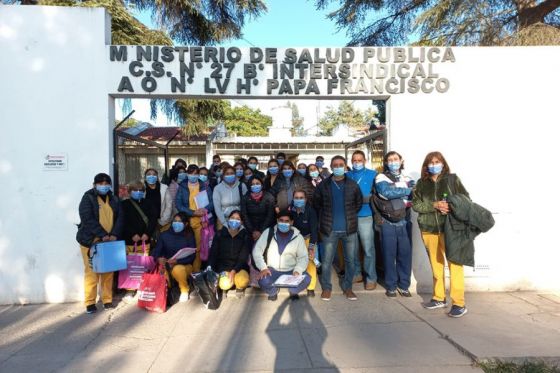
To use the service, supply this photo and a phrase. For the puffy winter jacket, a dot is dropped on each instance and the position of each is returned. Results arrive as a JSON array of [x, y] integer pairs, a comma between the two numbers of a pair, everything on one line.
[[89, 229], [229, 252], [323, 204], [257, 216], [298, 182]]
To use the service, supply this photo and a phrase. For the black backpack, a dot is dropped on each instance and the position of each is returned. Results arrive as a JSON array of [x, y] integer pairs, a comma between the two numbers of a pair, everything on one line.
[[393, 210]]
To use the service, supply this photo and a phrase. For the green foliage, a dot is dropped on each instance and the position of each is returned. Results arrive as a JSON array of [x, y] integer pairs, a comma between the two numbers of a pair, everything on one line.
[[244, 121], [381, 114], [297, 121], [527, 367], [347, 114], [434, 22]]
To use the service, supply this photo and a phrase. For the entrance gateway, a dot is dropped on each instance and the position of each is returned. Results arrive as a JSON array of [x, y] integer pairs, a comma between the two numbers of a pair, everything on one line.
[[489, 110]]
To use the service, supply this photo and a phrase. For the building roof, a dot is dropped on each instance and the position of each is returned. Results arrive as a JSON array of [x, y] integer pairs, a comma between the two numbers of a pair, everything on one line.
[[164, 134]]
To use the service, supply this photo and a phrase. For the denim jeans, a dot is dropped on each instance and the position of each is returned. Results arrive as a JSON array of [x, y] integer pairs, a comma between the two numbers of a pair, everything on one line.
[[397, 254], [330, 243], [365, 232], [267, 283]]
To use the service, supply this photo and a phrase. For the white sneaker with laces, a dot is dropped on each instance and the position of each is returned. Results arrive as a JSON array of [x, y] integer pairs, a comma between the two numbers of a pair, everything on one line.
[[184, 297]]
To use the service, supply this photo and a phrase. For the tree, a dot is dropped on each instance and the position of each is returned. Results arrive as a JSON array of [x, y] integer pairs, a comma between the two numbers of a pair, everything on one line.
[[381, 114], [245, 121], [450, 22], [347, 114], [297, 121]]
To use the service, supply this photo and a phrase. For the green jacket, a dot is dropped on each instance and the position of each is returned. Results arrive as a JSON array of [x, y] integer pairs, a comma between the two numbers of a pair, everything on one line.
[[426, 193]]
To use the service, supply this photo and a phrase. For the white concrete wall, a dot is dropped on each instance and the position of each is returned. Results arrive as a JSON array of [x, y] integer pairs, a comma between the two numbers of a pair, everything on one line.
[[52, 99]]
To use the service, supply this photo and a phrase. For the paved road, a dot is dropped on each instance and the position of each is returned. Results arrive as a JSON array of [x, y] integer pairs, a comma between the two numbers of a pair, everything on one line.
[[374, 334]]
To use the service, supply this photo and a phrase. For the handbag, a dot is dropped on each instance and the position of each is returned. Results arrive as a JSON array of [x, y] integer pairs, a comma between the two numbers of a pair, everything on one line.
[[206, 237], [137, 265], [152, 293]]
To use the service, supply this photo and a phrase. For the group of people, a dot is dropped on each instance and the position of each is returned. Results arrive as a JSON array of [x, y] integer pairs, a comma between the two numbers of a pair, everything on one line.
[[293, 219]]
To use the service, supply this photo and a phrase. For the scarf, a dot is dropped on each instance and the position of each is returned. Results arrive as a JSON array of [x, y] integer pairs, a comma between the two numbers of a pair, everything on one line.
[[257, 196]]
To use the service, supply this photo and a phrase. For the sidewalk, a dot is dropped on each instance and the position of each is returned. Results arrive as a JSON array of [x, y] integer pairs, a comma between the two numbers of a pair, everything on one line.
[[374, 334]]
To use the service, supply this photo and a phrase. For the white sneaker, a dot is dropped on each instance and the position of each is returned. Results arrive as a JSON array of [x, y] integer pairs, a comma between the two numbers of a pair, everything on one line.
[[184, 297]]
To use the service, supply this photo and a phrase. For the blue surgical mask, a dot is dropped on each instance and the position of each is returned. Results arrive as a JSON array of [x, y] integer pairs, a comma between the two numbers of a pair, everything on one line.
[[247, 178], [358, 166], [151, 179], [234, 223], [230, 179], [193, 179], [253, 166], [137, 195], [435, 169], [280, 161], [338, 171], [314, 174], [284, 227], [319, 164], [302, 171], [239, 173], [181, 177], [273, 170], [287, 173], [394, 166], [103, 189], [219, 173], [177, 226], [299, 203], [256, 188], [203, 178]]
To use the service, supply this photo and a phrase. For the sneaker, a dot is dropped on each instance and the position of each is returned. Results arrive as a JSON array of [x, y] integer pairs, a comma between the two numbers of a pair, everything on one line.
[[404, 293], [92, 308], [350, 295], [326, 295], [311, 293], [129, 296], [294, 297], [108, 306], [273, 297], [391, 293], [184, 297], [435, 304], [371, 286], [239, 293], [358, 279], [457, 311]]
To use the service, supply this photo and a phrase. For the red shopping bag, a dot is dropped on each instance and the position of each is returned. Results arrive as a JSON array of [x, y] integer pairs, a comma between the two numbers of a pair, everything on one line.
[[206, 237], [137, 265], [152, 293]]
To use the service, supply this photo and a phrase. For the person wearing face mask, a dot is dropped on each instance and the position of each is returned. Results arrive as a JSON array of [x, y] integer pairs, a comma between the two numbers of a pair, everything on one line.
[[170, 242], [428, 201], [257, 209], [281, 158], [166, 179], [253, 164], [248, 176], [338, 200], [215, 171], [186, 203], [203, 177], [286, 255], [140, 220], [227, 196], [302, 170], [273, 179], [229, 254], [239, 171], [290, 181], [177, 176], [320, 163], [156, 194], [396, 244], [101, 220], [305, 220], [364, 177], [314, 175]]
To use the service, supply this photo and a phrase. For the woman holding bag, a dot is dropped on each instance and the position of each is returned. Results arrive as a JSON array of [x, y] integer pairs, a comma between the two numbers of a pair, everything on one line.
[[180, 236]]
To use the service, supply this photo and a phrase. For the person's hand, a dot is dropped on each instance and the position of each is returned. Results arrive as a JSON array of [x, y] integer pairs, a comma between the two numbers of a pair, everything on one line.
[[172, 262], [312, 252], [256, 235], [442, 207], [145, 237], [162, 261], [296, 273], [112, 238], [136, 238], [265, 273], [231, 275], [105, 238], [277, 209]]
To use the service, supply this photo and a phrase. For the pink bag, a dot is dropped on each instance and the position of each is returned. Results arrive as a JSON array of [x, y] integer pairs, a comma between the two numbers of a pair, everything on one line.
[[137, 265], [206, 237]]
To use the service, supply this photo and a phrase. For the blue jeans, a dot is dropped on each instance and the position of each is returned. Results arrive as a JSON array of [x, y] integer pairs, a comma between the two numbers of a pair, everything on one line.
[[365, 232], [330, 243], [397, 254], [267, 283]]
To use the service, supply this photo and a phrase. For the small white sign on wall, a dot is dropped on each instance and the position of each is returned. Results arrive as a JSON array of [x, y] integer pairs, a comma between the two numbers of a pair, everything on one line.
[[55, 162]]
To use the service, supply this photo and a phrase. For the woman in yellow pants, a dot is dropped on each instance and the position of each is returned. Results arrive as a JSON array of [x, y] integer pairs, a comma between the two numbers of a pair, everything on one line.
[[305, 220], [429, 201]]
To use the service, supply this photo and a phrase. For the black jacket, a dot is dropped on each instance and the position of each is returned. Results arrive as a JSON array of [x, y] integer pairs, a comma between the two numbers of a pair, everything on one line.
[[323, 204], [298, 182], [257, 216], [229, 252], [89, 229], [133, 222], [306, 222]]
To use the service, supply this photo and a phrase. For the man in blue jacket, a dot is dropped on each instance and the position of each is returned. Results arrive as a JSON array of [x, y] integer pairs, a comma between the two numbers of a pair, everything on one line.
[[365, 178]]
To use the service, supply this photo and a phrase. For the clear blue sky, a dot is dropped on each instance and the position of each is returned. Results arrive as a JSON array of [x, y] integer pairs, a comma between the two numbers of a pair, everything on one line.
[[288, 23]]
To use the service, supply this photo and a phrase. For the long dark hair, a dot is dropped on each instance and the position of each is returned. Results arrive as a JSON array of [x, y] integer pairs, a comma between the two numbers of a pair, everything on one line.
[[425, 173]]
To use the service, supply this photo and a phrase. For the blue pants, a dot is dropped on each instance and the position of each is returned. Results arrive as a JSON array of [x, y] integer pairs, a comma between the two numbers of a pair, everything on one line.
[[330, 244], [267, 283], [365, 233], [397, 254]]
